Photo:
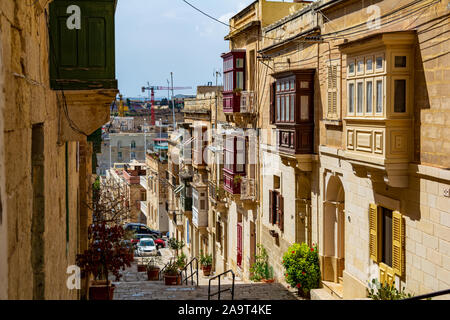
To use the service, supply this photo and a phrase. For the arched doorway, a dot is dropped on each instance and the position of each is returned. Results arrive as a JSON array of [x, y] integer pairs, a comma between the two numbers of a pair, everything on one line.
[[334, 230]]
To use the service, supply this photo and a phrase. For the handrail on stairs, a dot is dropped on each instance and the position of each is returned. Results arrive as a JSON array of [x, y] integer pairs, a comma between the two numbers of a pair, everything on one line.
[[219, 291], [193, 273]]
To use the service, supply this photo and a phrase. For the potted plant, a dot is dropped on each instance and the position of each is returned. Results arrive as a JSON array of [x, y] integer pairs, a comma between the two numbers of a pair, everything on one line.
[[171, 274], [302, 268], [384, 291], [181, 261], [260, 270], [175, 245], [206, 262], [107, 253], [237, 91], [237, 179], [141, 266], [153, 269]]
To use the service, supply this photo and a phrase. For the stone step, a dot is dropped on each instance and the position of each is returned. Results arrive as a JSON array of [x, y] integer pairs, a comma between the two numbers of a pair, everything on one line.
[[321, 294], [334, 289], [341, 280]]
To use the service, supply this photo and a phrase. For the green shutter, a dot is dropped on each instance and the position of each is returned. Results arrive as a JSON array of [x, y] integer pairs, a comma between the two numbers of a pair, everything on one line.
[[82, 59]]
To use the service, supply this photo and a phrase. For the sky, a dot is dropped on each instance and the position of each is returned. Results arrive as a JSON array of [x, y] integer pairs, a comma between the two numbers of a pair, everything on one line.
[[154, 38]]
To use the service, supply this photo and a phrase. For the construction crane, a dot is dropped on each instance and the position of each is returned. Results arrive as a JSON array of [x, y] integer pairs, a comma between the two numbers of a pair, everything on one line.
[[152, 90], [122, 108]]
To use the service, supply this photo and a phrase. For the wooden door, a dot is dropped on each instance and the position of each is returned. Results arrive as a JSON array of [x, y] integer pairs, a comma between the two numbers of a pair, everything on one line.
[[239, 244], [252, 243]]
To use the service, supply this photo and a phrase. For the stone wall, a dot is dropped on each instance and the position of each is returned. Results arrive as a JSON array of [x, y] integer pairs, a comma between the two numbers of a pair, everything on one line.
[[3, 209], [422, 203], [28, 101]]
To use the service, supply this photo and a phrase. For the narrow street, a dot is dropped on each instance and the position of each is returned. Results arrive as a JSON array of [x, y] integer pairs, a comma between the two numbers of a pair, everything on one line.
[[135, 286]]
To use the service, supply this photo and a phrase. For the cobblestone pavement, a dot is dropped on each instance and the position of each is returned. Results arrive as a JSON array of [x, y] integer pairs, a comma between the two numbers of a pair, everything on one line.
[[135, 286]]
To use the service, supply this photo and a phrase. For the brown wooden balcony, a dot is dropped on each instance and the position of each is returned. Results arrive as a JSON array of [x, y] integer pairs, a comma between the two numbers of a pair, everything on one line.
[[295, 139]]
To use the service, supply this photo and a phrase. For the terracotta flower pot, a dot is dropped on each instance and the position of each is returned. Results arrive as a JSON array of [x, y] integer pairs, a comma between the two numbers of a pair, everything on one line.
[[141, 268], [98, 290], [206, 270], [170, 280], [304, 295], [268, 280], [153, 275]]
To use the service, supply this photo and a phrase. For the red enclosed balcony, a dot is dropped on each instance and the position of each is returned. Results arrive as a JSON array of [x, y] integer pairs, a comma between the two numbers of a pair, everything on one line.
[[233, 80], [234, 164]]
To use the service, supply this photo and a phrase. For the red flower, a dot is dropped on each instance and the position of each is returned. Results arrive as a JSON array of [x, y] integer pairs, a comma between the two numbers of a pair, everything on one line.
[[298, 285], [303, 273], [293, 251], [286, 274], [312, 249]]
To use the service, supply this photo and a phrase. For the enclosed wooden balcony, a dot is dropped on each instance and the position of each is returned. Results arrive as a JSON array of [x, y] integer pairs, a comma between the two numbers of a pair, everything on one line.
[[292, 113], [82, 63], [232, 182], [295, 139], [234, 80], [380, 106]]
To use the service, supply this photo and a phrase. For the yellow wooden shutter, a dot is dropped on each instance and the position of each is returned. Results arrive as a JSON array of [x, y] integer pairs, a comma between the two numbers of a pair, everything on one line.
[[398, 243], [332, 92], [373, 235], [386, 274], [383, 273]]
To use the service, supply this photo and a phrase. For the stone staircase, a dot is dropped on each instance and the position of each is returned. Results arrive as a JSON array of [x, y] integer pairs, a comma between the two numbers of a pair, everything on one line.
[[329, 291], [135, 286]]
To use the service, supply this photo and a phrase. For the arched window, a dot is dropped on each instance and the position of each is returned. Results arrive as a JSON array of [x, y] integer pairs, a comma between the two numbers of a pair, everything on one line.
[[119, 144], [133, 144]]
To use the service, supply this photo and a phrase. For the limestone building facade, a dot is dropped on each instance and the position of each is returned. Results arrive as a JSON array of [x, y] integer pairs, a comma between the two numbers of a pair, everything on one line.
[[45, 159], [372, 192], [156, 204]]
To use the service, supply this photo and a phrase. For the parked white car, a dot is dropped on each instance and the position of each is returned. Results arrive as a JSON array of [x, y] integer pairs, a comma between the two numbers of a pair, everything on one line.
[[146, 247]]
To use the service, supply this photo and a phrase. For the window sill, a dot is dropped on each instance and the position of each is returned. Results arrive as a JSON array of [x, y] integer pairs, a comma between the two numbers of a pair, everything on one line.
[[330, 122]]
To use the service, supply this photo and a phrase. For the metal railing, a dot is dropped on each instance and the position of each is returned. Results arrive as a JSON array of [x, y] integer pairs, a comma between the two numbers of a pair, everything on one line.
[[248, 189], [430, 295], [193, 273], [216, 191], [248, 102], [161, 272], [219, 291]]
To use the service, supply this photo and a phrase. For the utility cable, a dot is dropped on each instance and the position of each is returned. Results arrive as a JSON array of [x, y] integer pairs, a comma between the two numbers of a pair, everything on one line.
[[221, 22]]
